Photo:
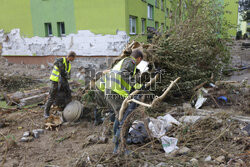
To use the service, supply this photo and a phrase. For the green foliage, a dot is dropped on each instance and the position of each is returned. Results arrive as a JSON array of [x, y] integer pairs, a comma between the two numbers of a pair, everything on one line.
[[89, 96], [195, 47], [4, 105]]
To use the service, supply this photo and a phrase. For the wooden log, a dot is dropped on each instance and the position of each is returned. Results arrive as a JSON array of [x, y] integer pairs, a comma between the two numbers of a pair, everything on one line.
[[33, 99], [14, 98]]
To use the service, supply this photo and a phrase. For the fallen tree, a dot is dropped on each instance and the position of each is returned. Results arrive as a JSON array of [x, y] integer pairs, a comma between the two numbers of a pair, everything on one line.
[[33, 96], [194, 48]]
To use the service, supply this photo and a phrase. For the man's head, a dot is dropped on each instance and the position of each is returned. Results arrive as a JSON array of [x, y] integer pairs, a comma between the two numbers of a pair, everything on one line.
[[71, 56], [137, 54]]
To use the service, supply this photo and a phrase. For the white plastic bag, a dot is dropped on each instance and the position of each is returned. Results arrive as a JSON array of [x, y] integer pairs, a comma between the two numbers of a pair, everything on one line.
[[159, 127], [169, 144]]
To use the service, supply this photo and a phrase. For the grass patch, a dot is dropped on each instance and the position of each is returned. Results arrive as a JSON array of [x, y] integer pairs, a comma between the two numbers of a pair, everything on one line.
[[3, 104]]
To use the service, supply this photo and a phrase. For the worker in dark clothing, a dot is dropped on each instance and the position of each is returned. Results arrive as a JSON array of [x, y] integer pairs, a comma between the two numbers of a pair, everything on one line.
[[117, 84], [59, 80]]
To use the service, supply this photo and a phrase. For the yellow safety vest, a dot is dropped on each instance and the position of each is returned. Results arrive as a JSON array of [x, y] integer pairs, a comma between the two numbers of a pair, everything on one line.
[[55, 73], [114, 81]]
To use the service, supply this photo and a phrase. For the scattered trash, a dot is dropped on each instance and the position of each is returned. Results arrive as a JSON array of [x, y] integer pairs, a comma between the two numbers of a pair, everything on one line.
[[194, 161], [162, 164], [73, 111], [169, 144], [246, 129], [220, 159], [40, 131], [137, 133], [94, 139], [183, 150], [190, 119], [223, 98], [159, 127], [27, 139], [53, 122], [26, 134], [200, 98], [208, 158], [43, 67], [36, 134], [212, 85], [99, 165]]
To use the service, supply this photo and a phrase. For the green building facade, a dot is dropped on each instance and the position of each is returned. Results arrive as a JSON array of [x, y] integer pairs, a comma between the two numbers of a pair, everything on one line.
[[231, 14], [62, 17]]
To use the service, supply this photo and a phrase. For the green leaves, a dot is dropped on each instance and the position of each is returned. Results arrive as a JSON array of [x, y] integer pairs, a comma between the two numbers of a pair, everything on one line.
[[196, 47]]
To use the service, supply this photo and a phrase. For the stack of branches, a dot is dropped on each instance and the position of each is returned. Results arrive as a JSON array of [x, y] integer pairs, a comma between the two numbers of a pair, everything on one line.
[[194, 48]]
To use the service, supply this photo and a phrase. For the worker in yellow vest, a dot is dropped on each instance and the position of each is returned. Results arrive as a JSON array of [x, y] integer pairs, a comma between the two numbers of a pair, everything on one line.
[[59, 76], [116, 85]]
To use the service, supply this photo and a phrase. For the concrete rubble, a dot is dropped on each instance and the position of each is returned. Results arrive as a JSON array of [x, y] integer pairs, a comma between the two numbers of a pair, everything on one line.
[[84, 43]]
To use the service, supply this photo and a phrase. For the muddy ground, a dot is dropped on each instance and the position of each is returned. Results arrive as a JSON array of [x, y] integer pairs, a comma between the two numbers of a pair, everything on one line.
[[218, 135]]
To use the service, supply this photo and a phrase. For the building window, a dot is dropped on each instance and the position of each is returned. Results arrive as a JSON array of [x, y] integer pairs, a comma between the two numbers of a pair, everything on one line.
[[132, 25], [156, 25], [150, 12], [48, 30], [156, 3], [162, 5], [61, 29], [143, 26]]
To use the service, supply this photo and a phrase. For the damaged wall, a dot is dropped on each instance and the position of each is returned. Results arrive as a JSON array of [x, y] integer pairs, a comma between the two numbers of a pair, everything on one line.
[[84, 43]]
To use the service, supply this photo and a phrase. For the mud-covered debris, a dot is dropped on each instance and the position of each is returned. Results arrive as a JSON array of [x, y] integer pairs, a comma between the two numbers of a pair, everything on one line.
[[208, 158], [194, 161], [220, 159], [246, 130], [190, 119], [53, 122], [26, 134], [183, 150], [27, 139]]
